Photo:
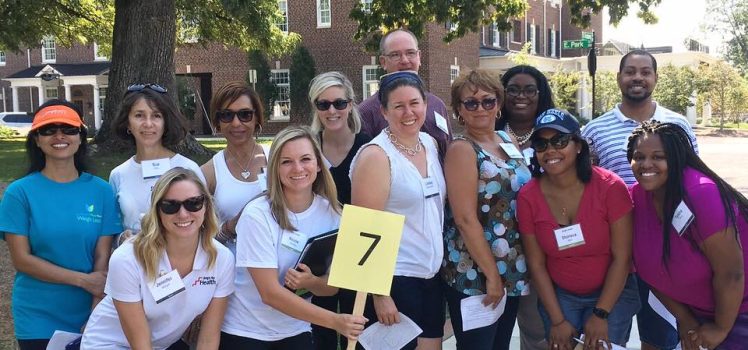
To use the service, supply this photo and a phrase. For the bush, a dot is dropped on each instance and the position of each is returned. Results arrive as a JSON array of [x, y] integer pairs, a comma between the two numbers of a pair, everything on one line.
[[6, 132]]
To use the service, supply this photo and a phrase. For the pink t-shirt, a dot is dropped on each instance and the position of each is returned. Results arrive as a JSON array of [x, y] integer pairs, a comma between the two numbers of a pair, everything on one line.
[[689, 278], [581, 269]]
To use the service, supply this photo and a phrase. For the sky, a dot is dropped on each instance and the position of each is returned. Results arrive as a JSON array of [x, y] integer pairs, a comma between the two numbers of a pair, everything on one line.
[[678, 19]]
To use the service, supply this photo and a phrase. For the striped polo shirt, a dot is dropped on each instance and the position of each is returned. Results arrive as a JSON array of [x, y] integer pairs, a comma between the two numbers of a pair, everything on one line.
[[608, 137]]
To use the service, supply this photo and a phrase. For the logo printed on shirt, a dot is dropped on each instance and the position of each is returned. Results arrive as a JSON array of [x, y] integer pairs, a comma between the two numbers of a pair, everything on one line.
[[89, 215], [204, 281]]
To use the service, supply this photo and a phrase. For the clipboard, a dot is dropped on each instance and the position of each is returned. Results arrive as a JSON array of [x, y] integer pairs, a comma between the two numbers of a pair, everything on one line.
[[317, 254]]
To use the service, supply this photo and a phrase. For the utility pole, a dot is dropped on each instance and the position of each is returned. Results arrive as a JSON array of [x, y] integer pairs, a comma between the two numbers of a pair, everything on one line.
[[592, 68]]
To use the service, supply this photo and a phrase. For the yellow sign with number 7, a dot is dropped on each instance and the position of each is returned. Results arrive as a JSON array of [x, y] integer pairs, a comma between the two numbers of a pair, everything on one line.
[[366, 250]]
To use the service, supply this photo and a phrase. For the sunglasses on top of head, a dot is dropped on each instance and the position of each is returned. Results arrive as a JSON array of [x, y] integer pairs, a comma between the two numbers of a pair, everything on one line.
[[227, 116], [487, 103], [169, 206], [558, 141], [49, 130], [140, 87], [339, 104]]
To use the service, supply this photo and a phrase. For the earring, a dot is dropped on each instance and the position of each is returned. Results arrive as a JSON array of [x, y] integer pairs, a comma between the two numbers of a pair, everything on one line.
[[258, 131], [460, 120], [498, 115], [129, 132]]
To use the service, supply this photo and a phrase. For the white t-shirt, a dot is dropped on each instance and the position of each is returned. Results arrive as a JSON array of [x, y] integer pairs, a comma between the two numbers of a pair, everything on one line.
[[167, 320], [259, 246], [134, 192]]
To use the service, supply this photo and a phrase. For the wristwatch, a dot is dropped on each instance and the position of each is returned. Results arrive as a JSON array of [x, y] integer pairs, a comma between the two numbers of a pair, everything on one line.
[[600, 313]]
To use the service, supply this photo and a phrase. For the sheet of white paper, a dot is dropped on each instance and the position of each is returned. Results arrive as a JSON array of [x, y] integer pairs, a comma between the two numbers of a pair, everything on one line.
[[660, 309], [60, 339], [381, 337], [476, 315], [580, 340]]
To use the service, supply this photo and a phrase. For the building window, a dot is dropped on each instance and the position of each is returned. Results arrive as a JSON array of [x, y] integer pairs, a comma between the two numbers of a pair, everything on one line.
[[516, 33], [2, 58], [552, 42], [496, 36], [282, 105], [49, 50], [366, 5], [283, 8], [370, 78], [324, 14], [531, 37], [454, 72], [102, 98], [97, 55], [51, 93]]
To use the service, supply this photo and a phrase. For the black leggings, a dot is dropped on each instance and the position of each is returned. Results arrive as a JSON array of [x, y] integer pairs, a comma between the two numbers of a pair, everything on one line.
[[301, 341], [33, 344]]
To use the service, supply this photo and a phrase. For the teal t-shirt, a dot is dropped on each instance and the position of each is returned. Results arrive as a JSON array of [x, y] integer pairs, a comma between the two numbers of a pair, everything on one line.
[[63, 222]]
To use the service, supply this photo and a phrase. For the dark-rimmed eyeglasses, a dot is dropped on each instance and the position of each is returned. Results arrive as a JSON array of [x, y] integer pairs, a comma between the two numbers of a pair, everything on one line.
[[398, 56], [558, 141], [528, 91], [227, 116], [170, 206], [49, 130], [487, 103], [140, 87], [339, 104]]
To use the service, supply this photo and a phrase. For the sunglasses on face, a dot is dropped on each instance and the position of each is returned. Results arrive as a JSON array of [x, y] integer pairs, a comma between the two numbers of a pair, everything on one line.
[[339, 104], [194, 204], [50, 130], [472, 104], [140, 87], [528, 91], [559, 141], [244, 115]]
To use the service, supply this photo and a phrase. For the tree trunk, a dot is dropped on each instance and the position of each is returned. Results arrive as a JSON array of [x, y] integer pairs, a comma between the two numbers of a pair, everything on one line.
[[143, 45]]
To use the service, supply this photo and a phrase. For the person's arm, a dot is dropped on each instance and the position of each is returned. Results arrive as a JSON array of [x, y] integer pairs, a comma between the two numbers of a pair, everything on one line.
[[101, 262], [285, 301], [596, 329], [210, 175], [24, 261], [561, 330], [462, 183], [210, 326], [370, 188], [305, 279], [687, 323], [725, 256], [134, 324]]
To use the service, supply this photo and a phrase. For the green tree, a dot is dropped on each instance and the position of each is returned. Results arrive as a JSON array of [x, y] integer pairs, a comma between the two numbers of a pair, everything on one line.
[[523, 56], [301, 72], [264, 87], [607, 91], [724, 87], [730, 17], [470, 15], [565, 85], [675, 87]]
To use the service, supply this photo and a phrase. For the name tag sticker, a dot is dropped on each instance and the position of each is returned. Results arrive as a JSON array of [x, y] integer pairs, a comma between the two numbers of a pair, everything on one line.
[[430, 189], [294, 240], [155, 168], [682, 218], [569, 236], [528, 152], [166, 286], [441, 122], [511, 150]]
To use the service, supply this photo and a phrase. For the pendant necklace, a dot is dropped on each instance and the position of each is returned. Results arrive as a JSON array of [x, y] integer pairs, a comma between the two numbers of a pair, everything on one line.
[[410, 151], [521, 140], [245, 170]]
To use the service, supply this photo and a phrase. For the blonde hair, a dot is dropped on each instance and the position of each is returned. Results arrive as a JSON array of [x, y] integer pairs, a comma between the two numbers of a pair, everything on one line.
[[150, 243], [327, 80], [323, 185]]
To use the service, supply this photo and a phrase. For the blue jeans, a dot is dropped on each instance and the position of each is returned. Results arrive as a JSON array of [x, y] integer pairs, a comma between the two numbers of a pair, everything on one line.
[[496, 336], [578, 308], [653, 329]]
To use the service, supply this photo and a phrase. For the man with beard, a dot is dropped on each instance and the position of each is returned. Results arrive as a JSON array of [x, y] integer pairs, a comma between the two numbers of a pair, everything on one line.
[[608, 138]]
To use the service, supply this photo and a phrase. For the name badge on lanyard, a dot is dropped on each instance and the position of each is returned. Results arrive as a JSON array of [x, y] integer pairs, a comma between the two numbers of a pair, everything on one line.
[[682, 218], [441, 122], [166, 286], [154, 168], [511, 150], [569, 236], [293, 240], [430, 188]]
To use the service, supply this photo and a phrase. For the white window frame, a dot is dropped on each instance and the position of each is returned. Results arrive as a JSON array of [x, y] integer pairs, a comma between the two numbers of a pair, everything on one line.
[[102, 97], [321, 23], [511, 33], [553, 42], [454, 72], [283, 8], [496, 36], [98, 57], [368, 81], [49, 50], [3, 58], [282, 88], [532, 36], [366, 5], [50, 93]]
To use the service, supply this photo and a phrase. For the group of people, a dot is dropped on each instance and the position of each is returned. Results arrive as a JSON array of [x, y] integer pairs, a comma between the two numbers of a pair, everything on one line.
[[571, 225]]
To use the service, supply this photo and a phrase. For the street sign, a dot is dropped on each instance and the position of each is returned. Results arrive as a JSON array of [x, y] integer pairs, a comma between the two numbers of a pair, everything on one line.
[[577, 44], [587, 36]]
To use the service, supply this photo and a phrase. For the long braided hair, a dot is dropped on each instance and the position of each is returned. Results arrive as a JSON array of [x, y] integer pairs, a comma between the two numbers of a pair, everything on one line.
[[679, 154]]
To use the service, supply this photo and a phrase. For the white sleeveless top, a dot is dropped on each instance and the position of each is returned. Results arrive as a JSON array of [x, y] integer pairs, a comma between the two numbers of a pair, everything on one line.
[[231, 194], [421, 246]]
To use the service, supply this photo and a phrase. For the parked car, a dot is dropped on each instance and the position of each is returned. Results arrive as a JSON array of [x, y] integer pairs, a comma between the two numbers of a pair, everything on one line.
[[18, 121]]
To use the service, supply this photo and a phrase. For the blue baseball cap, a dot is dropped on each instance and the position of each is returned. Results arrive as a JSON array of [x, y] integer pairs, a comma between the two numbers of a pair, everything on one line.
[[556, 119]]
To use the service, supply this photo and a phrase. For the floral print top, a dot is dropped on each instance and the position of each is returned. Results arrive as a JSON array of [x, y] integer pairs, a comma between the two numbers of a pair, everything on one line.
[[499, 182]]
